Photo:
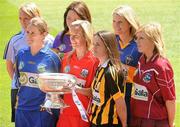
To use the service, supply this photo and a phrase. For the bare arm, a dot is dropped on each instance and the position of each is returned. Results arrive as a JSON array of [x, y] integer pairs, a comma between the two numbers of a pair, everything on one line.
[[85, 91], [10, 68], [121, 110], [171, 109]]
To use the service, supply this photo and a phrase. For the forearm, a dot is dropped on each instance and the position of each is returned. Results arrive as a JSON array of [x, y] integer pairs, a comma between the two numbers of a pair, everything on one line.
[[84, 91], [10, 68], [171, 109], [121, 111]]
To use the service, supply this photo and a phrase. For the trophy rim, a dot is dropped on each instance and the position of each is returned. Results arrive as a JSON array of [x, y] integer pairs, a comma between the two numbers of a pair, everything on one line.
[[55, 79], [49, 75]]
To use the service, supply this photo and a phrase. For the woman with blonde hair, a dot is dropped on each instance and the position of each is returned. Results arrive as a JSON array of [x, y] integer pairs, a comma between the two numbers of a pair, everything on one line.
[[125, 24], [108, 104], [35, 59], [81, 63], [153, 102], [26, 12]]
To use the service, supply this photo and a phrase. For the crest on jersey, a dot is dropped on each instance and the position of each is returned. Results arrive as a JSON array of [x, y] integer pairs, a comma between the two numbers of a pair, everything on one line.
[[41, 68], [23, 79], [21, 65], [62, 47], [147, 78], [84, 73], [67, 69], [129, 59]]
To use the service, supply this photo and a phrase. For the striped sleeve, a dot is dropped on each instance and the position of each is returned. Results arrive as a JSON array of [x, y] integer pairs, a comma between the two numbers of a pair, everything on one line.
[[113, 81]]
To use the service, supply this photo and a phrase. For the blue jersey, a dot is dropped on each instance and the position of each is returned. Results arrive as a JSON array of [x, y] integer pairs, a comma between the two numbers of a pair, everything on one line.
[[30, 97], [129, 54], [18, 42]]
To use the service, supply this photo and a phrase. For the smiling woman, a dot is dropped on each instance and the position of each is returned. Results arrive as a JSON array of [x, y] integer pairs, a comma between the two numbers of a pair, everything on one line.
[[101, 12], [18, 41], [31, 61], [36, 32], [125, 24], [81, 63]]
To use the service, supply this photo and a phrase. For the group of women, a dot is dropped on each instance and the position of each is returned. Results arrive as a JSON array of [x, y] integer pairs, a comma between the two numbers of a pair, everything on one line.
[[123, 77]]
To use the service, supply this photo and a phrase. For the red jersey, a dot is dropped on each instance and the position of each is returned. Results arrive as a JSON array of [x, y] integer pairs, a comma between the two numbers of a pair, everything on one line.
[[154, 85], [84, 69]]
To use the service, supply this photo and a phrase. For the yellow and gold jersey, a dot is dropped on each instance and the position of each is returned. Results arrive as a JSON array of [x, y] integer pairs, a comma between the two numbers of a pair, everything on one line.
[[107, 86]]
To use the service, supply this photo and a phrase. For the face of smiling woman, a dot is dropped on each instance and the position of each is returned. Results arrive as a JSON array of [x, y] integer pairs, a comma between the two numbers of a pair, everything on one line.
[[120, 25], [34, 36], [77, 37]]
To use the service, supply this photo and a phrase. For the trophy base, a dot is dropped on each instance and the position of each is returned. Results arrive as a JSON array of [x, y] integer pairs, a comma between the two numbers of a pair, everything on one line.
[[54, 105]]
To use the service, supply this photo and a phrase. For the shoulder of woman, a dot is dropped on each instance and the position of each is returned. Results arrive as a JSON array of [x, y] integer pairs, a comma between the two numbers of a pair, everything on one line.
[[162, 65]]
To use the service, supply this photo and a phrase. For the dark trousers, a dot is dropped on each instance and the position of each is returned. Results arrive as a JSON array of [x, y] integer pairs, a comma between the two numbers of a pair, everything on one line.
[[34, 118], [13, 103], [128, 100]]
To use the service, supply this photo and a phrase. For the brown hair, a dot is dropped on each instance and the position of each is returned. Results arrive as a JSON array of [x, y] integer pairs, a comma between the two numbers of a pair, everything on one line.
[[109, 40], [81, 9]]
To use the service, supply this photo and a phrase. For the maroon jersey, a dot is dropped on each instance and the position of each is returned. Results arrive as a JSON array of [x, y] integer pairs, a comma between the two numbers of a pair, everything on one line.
[[154, 84]]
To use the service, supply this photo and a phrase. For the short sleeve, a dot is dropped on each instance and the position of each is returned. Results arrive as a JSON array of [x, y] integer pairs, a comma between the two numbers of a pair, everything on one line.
[[49, 40], [57, 41], [114, 82], [9, 51], [165, 80]]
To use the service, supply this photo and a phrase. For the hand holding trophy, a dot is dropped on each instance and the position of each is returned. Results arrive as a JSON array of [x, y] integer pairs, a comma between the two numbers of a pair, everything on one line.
[[54, 85]]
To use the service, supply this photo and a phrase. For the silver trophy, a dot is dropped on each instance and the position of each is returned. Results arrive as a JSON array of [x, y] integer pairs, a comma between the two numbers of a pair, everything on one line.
[[55, 85]]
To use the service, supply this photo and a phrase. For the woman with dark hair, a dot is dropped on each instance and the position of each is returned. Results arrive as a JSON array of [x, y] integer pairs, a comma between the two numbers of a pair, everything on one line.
[[77, 10]]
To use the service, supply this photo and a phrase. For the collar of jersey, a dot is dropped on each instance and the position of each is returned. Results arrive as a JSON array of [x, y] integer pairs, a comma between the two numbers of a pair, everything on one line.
[[43, 50], [152, 59], [23, 31], [86, 55], [120, 43], [105, 63]]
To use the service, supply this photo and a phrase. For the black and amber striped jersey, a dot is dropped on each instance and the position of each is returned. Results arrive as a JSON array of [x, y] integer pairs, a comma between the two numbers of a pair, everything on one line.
[[107, 86]]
